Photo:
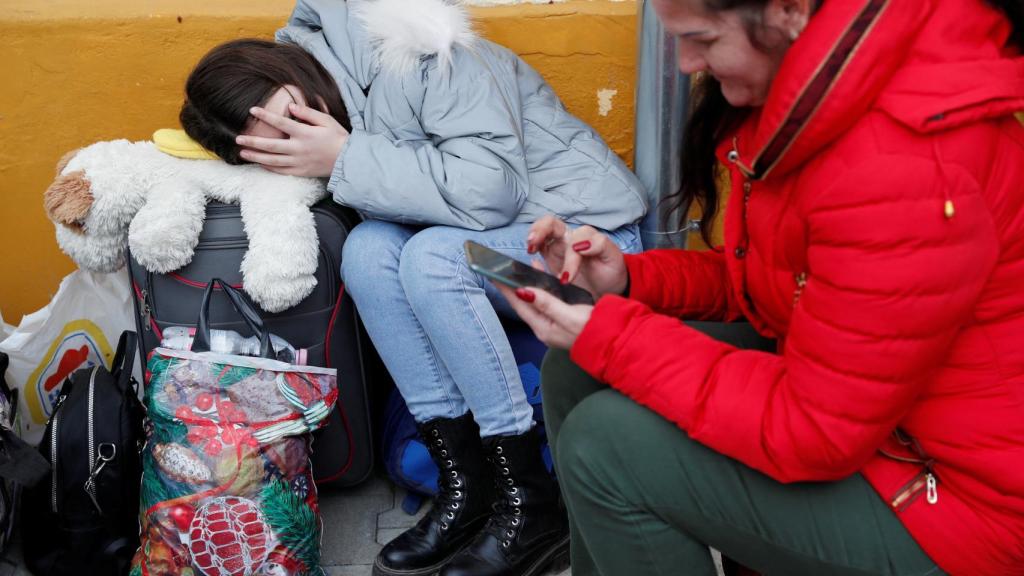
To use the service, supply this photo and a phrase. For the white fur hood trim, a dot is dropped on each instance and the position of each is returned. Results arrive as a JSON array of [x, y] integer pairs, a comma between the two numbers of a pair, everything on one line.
[[404, 31]]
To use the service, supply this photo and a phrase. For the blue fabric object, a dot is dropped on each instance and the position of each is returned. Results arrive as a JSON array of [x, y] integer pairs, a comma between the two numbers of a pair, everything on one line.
[[406, 458]]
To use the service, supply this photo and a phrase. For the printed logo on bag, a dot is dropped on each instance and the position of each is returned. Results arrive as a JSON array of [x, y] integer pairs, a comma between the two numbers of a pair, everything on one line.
[[80, 345]]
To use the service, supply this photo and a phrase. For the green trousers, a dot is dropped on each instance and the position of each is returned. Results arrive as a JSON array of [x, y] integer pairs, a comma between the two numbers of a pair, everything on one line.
[[645, 499]]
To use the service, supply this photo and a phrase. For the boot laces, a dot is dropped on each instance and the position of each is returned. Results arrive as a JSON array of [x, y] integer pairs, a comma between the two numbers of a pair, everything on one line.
[[449, 483], [508, 513]]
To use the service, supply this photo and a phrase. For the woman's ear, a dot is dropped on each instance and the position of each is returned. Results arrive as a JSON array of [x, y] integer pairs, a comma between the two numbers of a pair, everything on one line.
[[789, 16]]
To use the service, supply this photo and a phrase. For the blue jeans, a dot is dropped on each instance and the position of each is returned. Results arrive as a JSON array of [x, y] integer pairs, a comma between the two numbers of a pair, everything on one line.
[[436, 323]]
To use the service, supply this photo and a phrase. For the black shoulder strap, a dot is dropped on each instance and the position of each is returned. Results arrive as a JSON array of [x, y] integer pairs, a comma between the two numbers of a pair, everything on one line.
[[4, 388], [124, 360]]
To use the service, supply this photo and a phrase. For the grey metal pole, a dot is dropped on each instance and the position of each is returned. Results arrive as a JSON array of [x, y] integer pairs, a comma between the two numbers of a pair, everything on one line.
[[662, 95]]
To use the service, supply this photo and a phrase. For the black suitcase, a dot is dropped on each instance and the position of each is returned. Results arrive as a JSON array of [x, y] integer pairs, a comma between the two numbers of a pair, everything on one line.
[[324, 323]]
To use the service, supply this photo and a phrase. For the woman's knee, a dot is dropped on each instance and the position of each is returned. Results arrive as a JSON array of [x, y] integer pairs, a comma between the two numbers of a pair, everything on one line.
[[371, 252], [588, 442], [431, 262]]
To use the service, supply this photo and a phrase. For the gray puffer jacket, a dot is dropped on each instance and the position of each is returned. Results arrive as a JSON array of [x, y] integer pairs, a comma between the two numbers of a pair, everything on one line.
[[451, 129]]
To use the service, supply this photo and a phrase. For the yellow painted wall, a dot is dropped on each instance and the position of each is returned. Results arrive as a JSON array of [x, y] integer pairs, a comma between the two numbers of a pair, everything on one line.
[[78, 71]]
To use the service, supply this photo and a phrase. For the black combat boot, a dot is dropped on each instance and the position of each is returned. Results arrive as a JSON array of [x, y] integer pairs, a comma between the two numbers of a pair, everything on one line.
[[528, 533], [461, 508]]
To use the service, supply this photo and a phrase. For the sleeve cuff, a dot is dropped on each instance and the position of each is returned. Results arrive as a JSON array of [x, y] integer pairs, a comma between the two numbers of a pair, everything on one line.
[[338, 174], [594, 346]]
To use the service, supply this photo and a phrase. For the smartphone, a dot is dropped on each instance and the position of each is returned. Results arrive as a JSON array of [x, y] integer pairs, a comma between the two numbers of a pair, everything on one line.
[[514, 273]]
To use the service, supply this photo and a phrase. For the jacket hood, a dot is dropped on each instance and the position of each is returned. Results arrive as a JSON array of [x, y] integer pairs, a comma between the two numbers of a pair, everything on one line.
[[930, 64], [357, 39]]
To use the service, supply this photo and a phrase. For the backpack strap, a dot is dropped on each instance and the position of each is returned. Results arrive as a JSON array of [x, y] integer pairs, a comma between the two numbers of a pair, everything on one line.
[[4, 388], [124, 360]]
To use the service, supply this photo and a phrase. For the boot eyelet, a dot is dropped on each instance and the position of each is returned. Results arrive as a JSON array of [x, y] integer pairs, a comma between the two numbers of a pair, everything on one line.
[[438, 442], [498, 450], [504, 471], [434, 432], [510, 533], [505, 544], [444, 453], [502, 460], [450, 516], [515, 521], [510, 481], [516, 501], [455, 505], [444, 525], [455, 474], [457, 483], [514, 490], [517, 512], [448, 463], [457, 494]]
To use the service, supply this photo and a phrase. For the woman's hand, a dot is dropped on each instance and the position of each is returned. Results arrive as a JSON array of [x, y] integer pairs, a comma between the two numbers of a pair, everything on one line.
[[555, 323], [582, 256], [309, 148]]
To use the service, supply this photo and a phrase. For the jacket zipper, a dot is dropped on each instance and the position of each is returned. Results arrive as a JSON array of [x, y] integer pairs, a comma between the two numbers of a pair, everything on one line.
[[911, 491], [926, 478], [53, 452], [801, 281]]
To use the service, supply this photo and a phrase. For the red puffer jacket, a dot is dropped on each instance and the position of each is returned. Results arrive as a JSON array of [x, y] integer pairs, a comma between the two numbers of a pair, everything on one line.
[[876, 227]]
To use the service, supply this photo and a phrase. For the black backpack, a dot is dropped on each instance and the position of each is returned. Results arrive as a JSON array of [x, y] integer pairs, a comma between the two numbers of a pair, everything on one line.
[[83, 517], [20, 464]]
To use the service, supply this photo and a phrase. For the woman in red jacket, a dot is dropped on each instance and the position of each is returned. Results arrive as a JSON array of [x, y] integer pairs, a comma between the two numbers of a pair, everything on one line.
[[875, 228]]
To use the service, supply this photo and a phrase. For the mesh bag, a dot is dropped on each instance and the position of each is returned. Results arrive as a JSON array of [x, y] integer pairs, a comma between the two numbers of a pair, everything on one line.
[[227, 488]]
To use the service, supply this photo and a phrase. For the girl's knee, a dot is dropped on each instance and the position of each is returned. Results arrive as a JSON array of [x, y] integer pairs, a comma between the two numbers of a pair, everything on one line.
[[371, 253], [430, 261]]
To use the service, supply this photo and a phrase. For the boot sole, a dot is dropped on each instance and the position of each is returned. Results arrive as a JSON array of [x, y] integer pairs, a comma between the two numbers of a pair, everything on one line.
[[381, 570], [554, 559]]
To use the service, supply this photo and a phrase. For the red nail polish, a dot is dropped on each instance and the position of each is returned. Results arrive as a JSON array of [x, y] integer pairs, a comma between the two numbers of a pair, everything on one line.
[[581, 246], [564, 278], [525, 295], [531, 249]]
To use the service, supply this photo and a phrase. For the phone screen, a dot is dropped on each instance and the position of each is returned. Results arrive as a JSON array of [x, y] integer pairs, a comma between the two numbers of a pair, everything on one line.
[[514, 273]]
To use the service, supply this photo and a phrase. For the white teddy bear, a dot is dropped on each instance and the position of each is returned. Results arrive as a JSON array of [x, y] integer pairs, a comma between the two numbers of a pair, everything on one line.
[[108, 191]]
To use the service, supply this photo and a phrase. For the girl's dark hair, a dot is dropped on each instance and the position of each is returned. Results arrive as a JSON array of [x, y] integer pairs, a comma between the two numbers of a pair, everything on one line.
[[237, 75], [712, 118]]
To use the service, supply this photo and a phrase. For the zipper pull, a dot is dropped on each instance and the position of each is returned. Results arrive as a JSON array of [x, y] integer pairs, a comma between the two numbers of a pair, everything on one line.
[[146, 325], [932, 492]]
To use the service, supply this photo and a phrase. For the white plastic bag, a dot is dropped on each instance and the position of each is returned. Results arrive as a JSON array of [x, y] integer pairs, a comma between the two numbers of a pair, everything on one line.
[[5, 328], [78, 328]]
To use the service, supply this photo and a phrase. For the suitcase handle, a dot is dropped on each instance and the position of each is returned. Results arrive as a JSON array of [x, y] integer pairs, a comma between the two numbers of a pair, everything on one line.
[[201, 341]]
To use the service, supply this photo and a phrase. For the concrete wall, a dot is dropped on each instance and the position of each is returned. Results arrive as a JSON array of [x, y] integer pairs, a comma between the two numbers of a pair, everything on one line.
[[79, 71]]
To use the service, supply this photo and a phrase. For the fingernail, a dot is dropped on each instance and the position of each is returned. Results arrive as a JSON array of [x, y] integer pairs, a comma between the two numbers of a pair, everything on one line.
[[581, 246], [564, 278], [525, 295], [530, 248], [529, 238], [254, 110], [239, 140]]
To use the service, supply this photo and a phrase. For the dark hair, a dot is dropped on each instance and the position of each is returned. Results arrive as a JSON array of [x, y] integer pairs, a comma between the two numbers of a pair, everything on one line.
[[240, 74], [1014, 11], [712, 118]]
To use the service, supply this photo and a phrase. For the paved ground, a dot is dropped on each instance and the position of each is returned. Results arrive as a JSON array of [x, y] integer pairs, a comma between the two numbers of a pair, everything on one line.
[[357, 522]]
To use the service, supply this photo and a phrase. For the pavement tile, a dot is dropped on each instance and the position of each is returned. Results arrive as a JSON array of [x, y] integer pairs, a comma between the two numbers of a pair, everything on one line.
[[350, 522]]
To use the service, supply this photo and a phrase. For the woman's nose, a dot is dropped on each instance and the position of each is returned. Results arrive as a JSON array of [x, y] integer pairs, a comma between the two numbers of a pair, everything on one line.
[[690, 62]]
